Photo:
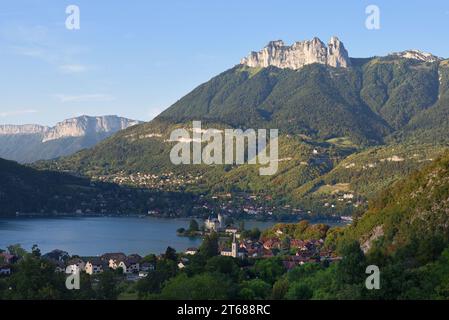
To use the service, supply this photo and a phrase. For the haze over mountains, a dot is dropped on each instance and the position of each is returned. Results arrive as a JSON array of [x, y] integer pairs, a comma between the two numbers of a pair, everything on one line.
[[31, 142]]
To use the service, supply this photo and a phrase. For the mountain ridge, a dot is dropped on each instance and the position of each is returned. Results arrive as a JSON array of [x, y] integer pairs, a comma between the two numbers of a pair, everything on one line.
[[32, 142]]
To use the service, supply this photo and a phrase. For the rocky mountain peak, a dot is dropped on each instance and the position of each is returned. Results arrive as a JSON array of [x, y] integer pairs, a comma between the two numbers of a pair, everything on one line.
[[417, 55], [301, 53]]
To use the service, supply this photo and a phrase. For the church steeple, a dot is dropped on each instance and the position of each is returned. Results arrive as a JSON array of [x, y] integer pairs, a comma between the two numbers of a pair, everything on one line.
[[234, 247]]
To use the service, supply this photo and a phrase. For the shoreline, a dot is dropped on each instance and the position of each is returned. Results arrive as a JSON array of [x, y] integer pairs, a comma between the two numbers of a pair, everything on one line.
[[322, 219]]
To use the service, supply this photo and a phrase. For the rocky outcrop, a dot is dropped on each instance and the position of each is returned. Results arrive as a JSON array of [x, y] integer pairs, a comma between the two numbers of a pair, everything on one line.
[[84, 125], [296, 56], [417, 55], [374, 235]]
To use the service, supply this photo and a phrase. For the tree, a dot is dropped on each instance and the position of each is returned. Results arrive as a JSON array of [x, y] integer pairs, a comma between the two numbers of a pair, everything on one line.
[[229, 221], [17, 250], [107, 286], [209, 247], [299, 291], [170, 254], [253, 234], [285, 244], [351, 269], [204, 286], [193, 227], [36, 279], [225, 265], [280, 289], [35, 251], [151, 258], [256, 289], [152, 283], [180, 230], [269, 269]]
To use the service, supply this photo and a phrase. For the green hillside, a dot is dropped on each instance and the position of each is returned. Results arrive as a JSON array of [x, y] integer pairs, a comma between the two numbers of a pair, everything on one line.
[[405, 233], [415, 207], [366, 173], [317, 101], [24, 190]]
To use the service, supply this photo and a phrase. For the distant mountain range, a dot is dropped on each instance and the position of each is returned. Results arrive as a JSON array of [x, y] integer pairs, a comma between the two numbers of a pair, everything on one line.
[[32, 142]]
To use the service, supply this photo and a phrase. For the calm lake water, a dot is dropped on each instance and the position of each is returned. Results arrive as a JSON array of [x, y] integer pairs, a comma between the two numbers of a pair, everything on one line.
[[92, 236]]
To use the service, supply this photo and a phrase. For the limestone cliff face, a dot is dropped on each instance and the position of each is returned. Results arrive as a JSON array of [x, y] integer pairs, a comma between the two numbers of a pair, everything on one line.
[[75, 127], [84, 125], [9, 129], [30, 143], [296, 56]]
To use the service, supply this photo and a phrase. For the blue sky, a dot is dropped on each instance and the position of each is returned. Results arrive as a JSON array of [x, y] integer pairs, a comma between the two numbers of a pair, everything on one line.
[[135, 58]]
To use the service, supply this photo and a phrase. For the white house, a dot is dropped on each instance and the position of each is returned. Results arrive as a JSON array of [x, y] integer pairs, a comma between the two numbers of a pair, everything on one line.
[[113, 259], [94, 266], [129, 265], [192, 251], [231, 230]]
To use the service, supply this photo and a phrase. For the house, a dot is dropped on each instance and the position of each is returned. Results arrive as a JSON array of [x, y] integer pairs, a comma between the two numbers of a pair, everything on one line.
[[295, 243], [254, 249], [267, 253], [113, 259], [242, 253], [147, 266], [135, 256], [226, 253], [181, 265], [192, 251], [272, 244], [231, 230], [5, 270], [9, 258], [75, 265], [130, 265], [95, 266]]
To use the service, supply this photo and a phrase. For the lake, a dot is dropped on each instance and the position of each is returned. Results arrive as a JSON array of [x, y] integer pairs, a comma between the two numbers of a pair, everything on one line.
[[93, 236]]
